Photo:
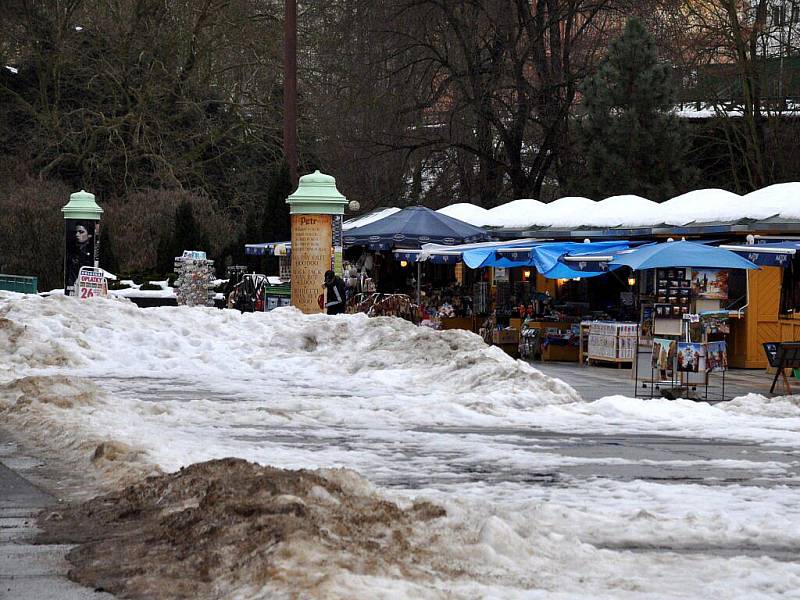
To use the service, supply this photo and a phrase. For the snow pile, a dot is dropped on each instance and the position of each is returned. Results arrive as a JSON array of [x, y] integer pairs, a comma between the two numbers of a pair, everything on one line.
[[698, 206], [271, 370], [216, 527]]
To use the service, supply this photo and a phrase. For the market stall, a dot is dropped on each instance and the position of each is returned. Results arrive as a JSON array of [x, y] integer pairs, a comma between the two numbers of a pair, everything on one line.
[[369, 252], [688, 322]]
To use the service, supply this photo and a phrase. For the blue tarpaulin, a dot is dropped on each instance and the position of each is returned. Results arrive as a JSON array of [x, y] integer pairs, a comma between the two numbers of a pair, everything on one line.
[[412, 227], [545, 257]]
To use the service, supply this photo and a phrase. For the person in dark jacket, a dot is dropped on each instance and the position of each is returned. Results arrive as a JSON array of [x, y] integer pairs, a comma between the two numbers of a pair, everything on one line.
[[335, 298]]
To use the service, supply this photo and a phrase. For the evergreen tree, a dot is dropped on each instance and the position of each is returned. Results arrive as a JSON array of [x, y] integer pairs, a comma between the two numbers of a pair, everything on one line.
[[187, 236], [633, 142]]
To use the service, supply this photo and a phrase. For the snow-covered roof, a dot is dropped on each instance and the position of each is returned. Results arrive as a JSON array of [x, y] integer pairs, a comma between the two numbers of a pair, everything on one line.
[[469, 213], [699, 206], [370, 217]]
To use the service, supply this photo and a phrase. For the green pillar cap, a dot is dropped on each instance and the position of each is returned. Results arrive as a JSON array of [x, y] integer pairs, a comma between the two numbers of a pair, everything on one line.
[[316, 193], [81, 205]]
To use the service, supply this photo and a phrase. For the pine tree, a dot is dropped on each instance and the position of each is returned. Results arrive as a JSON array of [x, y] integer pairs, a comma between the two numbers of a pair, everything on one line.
[[633, 142], [187, 235]]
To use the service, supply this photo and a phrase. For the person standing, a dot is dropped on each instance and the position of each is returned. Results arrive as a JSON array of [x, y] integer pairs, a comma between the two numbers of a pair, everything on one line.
[[335, 297]]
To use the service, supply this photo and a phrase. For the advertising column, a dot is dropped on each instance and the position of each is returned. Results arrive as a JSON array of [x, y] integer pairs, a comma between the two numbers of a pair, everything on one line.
[[81, 237], [314, 208]]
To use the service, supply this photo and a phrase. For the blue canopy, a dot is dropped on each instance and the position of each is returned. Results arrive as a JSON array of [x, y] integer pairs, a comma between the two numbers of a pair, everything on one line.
[[412, 227], [680, 254], [778, 254], [546, 258]]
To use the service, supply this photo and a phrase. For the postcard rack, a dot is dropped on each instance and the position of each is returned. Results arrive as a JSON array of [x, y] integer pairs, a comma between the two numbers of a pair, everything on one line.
[[679, 367]]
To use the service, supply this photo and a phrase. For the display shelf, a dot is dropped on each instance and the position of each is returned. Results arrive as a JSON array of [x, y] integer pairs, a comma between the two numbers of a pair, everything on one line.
[[610, 341]]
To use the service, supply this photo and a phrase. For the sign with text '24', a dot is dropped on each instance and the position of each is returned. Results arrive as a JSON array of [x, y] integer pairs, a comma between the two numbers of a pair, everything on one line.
[[91, 282]]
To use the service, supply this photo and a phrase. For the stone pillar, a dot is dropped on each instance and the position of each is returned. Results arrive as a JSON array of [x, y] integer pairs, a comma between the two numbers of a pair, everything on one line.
[[314, 208], [81, 236]]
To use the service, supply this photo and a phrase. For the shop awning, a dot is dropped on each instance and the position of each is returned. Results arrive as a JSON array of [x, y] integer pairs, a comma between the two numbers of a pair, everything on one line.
[[671, 254], [443, 254], [269, 249], [778, 254], [543, 255], [411, 228]]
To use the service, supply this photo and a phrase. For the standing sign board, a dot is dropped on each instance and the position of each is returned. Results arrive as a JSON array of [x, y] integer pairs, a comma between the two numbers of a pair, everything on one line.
[[781, 356], [90, 283]]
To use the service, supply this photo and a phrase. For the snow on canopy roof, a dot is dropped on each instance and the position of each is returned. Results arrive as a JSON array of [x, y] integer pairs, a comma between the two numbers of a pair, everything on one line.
[[628, 210], [469, 213], [570, 211], [525, 212], [703, 206], [698, 206], [370, 217], [781, 199]]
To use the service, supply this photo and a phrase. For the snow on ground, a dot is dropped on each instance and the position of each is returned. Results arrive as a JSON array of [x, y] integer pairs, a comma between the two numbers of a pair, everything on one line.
[[117, 391]]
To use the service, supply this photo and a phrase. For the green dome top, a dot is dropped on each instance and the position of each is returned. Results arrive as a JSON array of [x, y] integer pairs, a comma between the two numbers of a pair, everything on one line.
[[317, 193], [317, 178], [81, 205]]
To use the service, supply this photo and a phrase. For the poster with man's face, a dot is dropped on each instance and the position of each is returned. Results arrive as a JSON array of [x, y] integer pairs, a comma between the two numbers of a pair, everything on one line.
[[81, 249]]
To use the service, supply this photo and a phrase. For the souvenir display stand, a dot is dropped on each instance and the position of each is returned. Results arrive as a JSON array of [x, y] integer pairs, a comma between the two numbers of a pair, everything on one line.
[[680, 364], [195, 282], [688, 332]]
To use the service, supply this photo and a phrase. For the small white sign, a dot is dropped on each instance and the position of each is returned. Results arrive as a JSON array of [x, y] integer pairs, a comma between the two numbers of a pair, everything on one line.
[[91, 282], [500, 274]]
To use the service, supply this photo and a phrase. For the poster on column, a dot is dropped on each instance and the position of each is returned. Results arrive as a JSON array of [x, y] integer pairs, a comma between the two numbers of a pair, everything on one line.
[[81, 249], [311, 257], [336, 260]]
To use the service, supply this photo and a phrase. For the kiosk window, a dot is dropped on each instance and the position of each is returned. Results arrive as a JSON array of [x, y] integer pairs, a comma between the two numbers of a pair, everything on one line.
[[790, 288], [737, 289]]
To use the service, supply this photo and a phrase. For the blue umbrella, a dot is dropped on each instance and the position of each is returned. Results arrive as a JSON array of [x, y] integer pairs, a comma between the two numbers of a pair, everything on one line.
[[412, 227], [680, 254]]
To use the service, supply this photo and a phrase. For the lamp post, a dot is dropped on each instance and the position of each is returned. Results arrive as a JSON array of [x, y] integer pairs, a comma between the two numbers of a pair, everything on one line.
[[315, 208], [81, 236]]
